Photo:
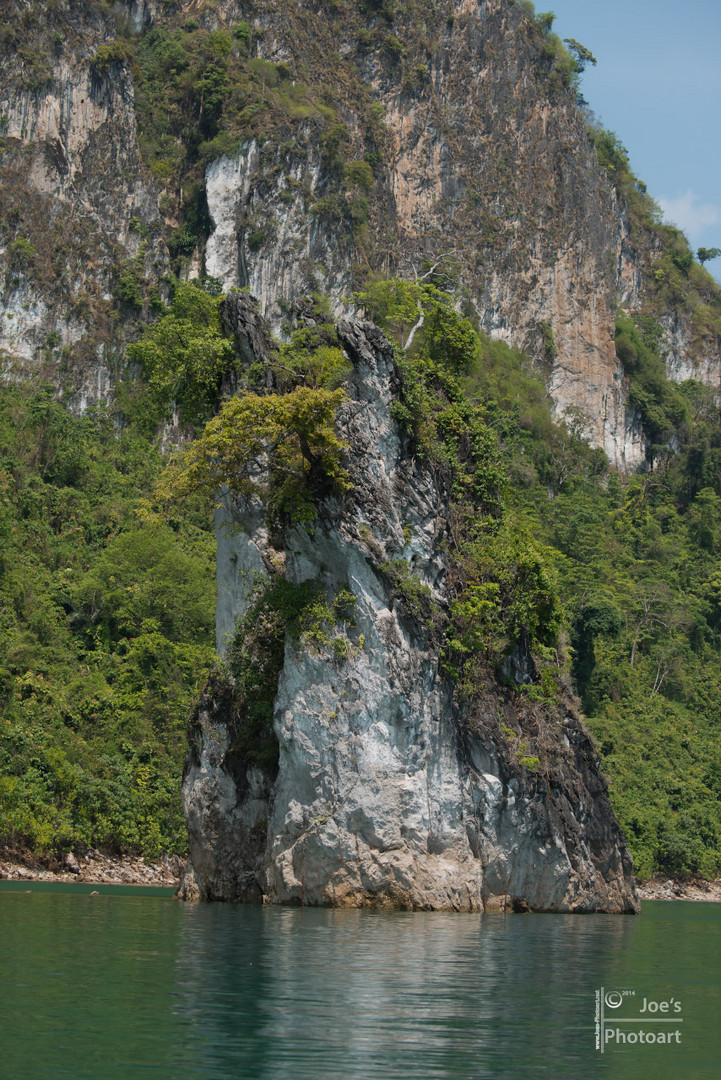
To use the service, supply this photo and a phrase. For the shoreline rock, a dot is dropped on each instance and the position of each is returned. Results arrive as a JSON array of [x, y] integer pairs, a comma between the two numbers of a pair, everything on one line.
[[170, 871], [383, 786], [697, 890], [93, 868]]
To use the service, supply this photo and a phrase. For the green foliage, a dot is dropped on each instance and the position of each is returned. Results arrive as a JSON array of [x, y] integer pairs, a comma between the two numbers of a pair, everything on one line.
[[280, 611], [448, 337], [638, 578], [313, 357], [416, 79], [664, 766], [582, 55], [561, 65], [257, 239], [597, 618], [507, 593], [675, 282], [295, 432], [182, 87], [36, 69], [184, 356], [417, 597], [392, 47], [129, 286], [444, 336], [360, 174], [545, 20], [613, 156], [705, 255], [199, 94], [140, 577], [546, 543], [349, 204], [244, 34], [109, 56], [662, 406], [333, 144], [281, 447], [448, 362], [255, 659], [549, 342], [393, 305], [333, 207], [196, 224], [105, 634], [325, 625], [505, 583], [22, 251]]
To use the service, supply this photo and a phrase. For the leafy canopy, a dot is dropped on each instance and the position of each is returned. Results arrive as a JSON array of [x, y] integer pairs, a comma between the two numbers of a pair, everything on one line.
[[184, 356], [282, 448], [105, 632], [410, 309]]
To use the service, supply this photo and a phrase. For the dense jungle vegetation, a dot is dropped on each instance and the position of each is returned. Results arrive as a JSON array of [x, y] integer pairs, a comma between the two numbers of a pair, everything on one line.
[[106, 633]]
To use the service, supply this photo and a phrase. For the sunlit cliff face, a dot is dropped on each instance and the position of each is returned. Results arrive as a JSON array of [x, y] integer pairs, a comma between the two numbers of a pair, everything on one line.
[[386, 792], [480, 158]]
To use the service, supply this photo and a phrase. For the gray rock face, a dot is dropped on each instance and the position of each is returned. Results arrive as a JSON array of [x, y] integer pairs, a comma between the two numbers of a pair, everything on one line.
[[73, 181], [267, 242], [386, 792], [485, 170]]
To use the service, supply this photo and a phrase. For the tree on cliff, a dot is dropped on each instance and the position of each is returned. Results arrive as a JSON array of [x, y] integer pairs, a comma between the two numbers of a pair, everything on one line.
[[184, 355], [281, 447], [581, 54], [705, 255]]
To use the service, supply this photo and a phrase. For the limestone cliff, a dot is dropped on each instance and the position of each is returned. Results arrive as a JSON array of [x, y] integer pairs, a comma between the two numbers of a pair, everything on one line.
[[77, 205], [486, 164], [357, 140], [388, 790]]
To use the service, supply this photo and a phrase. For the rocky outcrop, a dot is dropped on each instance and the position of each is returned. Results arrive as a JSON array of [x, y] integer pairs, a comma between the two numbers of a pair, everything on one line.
[[265, 237], [388, 792], [91, 867]]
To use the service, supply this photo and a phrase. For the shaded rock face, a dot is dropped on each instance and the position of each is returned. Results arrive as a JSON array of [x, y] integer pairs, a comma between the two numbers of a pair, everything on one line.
[[250, 203], [387, 793], [226, 806]]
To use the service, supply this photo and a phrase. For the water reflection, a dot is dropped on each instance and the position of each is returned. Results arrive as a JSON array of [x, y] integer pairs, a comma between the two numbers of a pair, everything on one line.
[[124, 987], [388, 995], [87, 985]]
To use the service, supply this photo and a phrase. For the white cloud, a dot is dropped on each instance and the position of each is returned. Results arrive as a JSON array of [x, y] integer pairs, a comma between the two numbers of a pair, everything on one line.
[[688, 213]]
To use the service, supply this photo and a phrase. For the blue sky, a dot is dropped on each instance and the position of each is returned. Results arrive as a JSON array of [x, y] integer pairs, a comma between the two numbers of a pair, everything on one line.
[[657, 85]]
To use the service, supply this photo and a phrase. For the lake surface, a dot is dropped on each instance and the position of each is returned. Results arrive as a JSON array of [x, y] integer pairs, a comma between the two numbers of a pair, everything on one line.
[[135, 985]]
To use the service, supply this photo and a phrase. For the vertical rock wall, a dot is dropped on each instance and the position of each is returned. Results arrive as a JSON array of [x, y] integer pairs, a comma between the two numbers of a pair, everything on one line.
[[486, 168], [482, 164], [76, 204], [386, 792]]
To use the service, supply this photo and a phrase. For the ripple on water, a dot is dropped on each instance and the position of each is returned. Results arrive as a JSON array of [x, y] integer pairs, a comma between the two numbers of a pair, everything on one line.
[[118, 986]]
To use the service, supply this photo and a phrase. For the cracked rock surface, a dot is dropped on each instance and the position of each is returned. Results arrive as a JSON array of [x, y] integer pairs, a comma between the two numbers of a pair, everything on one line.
[[386, 793]]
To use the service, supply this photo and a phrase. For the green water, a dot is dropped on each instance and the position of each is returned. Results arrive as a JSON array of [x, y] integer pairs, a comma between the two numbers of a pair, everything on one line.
[[127, 985]]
